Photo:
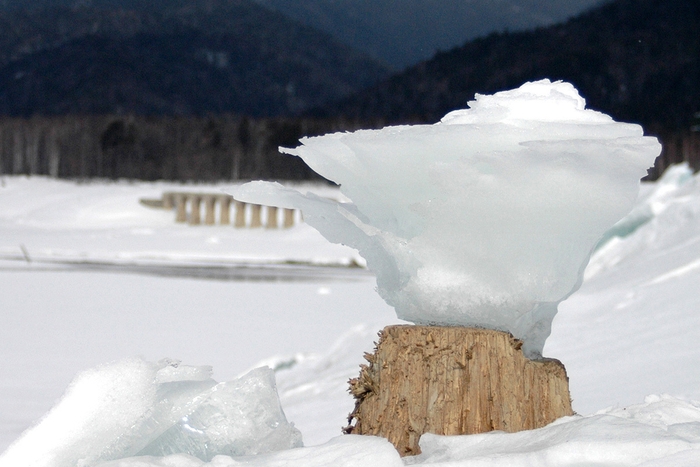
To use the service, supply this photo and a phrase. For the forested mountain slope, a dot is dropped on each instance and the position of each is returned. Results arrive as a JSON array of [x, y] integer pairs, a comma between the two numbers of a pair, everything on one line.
[[638, 60], [177, 57], [406, 32]]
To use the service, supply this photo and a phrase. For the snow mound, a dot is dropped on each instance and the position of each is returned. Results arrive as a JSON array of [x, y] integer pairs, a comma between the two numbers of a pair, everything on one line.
[[663, 210], [658, 431], [487, 218], [133, 407], [343, 451], [663, 431], [653, 200]]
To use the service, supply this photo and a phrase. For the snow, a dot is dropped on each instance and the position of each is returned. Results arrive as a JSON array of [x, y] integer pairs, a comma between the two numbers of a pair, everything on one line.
[[639, 298], [133, 407], [628, 336], [104, 223], [57, 323], [96, 292], [618, 437], [487, 218], [345, 451]]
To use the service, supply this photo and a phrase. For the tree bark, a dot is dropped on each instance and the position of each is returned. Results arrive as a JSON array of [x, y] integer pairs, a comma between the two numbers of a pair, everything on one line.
[[451, 381]]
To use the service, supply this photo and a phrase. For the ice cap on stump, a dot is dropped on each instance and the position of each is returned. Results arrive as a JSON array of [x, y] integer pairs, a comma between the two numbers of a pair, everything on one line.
[[485, 219]]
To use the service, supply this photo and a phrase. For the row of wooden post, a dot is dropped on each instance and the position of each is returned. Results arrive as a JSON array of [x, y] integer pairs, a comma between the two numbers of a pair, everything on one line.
[[180, 201]]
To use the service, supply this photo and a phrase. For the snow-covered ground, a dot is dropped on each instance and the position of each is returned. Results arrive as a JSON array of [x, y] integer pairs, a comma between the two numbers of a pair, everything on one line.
[[65, 308], [88, 276]]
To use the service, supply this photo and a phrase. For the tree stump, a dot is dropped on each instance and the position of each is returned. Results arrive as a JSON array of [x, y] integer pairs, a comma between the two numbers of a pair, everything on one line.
[[451, 381]]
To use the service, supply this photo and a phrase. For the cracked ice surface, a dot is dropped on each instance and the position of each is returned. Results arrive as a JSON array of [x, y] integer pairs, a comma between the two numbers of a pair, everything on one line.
[[487, 218]]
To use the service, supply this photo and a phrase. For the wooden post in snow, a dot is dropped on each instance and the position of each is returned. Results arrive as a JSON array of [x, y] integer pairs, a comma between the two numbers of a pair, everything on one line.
[[450, 381], [288, 218], [181, 207], [195, 207], [225, 206], [255, 216], [209, 209], [168, 200], [271, 217], [240, 215]]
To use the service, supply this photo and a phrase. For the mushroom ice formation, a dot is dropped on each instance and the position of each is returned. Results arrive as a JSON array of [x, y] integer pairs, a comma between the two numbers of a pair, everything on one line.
[[486, 218]]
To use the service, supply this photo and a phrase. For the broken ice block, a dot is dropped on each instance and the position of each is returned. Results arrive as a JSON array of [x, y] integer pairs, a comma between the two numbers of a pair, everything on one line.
[[241, 417], [135, 407]]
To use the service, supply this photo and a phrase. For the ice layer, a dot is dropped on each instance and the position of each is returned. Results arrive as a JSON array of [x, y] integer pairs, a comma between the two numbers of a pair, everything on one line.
[[136, 408], [487, 218]]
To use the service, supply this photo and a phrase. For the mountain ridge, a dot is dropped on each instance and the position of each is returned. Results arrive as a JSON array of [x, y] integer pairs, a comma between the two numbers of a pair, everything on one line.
[[638, 60], [414, 30], [250, 60]]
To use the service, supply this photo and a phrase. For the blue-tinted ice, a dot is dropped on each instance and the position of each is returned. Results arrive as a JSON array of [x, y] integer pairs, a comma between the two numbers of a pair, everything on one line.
[[133, 407], [487, 218]]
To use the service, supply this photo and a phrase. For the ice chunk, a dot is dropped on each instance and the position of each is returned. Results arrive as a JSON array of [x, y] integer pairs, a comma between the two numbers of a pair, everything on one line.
[[487, 218], [241, 417], [133, 406]]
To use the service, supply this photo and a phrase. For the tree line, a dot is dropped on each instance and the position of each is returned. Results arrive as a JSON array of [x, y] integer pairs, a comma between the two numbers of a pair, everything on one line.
[[222, 147], [677, 146]]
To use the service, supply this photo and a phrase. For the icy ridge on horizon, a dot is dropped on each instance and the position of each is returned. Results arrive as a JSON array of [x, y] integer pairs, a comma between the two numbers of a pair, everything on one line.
[[487, 218]]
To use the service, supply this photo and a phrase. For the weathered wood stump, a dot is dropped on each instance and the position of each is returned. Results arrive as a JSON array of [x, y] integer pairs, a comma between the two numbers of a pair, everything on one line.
[[450, 381]]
